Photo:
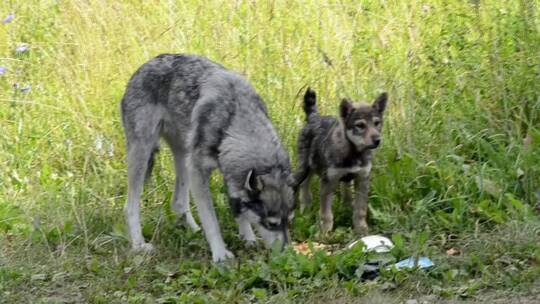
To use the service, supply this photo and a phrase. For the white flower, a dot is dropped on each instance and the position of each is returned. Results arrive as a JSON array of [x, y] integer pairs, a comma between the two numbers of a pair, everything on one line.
[[22, 48], [110, 150], [98, 143], [298, 121]]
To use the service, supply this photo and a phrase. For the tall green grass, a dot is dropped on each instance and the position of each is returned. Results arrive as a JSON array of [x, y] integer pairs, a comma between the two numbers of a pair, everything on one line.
[[461, 139]]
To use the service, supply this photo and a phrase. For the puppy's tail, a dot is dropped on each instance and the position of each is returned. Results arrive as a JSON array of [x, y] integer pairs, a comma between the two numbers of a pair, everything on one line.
[[310, 103]]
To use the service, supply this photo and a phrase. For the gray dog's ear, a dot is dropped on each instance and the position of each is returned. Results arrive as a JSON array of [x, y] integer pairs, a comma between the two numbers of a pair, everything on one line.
[[292, 182], [253, 183], [345, 108], [380, 103]]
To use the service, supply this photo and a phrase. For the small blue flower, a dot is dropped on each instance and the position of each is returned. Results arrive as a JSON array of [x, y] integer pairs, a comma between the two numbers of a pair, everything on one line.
[[8, 18], [3, 70], [22, 48], [26, 88]]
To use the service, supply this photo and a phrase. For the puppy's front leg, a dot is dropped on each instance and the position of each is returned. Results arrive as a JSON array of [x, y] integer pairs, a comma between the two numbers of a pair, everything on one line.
[[360, 204], [201, 194], [305, 194], [327, 194]]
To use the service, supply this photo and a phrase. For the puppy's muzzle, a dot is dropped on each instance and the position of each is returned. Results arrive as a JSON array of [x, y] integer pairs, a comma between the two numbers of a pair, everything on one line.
[[376, 143]]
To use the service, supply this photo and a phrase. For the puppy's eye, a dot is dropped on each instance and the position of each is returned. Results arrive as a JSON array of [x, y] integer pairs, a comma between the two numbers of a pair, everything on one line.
[[377, 122]]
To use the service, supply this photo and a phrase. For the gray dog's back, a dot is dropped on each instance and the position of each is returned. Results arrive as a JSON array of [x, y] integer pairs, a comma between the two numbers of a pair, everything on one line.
[[187, 92], [167, 87]]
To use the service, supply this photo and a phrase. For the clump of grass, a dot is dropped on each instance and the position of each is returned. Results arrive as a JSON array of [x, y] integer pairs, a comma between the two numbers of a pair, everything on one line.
[[460, 153]]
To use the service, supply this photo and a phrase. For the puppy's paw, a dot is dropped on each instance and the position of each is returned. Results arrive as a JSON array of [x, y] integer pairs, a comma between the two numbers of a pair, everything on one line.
[[361, 228], [222, 256], [326, 227]]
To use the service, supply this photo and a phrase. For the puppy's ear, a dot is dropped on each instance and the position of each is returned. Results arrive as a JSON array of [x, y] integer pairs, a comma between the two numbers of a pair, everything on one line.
[[253, 183], [380, 103], [345, 108]]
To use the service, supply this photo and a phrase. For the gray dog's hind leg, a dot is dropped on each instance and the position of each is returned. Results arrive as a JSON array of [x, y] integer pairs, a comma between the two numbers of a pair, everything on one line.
[[207, 214], [325, 213], [305, 196], [180, 202], [138, 155]]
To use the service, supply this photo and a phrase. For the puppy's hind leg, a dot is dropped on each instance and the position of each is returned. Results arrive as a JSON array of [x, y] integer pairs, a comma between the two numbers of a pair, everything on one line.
[[346, 195], [305, 194], [180, 202], [302, 176]]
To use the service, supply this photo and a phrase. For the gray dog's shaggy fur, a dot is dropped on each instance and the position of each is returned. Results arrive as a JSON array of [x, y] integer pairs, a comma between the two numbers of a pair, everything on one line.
[[211, 118]]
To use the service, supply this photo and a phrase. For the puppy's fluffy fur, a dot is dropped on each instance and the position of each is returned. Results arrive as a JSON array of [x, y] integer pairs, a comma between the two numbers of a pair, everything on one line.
[[339, 149]]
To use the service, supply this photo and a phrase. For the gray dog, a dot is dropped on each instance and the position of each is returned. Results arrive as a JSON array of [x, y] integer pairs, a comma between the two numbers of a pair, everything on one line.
[[211, 118], [339, 150]]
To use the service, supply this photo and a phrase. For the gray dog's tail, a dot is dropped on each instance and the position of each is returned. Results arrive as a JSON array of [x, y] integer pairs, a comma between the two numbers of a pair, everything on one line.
[[150, 165], [310, 105]]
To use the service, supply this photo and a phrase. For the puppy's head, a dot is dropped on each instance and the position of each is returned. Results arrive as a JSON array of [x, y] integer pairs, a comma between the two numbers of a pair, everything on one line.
[[363, 122], [270, 206]]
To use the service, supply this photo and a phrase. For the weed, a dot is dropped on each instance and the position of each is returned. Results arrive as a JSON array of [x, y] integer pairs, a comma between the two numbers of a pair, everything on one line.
[[458, 166]]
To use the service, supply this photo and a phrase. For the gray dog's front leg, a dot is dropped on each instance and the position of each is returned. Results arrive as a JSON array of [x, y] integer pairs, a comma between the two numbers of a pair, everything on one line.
[[202, 197], [245, 231]]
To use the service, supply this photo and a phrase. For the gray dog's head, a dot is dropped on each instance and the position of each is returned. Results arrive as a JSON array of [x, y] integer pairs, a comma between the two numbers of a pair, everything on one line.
[[363, 122], [269, 204]]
